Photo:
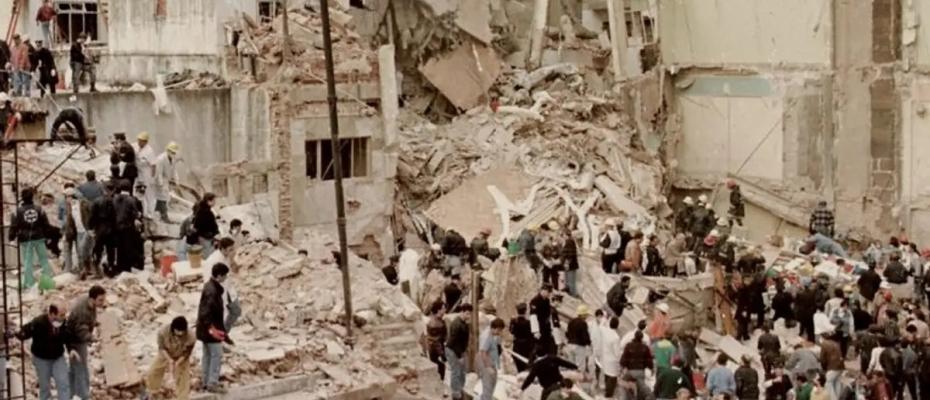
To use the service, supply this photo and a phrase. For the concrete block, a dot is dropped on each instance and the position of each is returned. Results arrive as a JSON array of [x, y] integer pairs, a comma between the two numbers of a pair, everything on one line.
[[184, 273], [264, 389], [265, 355], [289, 269]]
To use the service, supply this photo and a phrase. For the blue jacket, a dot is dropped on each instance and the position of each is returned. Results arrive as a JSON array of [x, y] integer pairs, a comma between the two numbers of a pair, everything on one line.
[[721, 380]]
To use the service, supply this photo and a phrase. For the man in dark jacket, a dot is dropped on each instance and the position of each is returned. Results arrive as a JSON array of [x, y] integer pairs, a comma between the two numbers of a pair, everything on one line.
[[456, 346], [737, 208], [783, 304], [822, 220], [616, 296], [81, 64], [48, 74], [29, 227], [455, 249], [211, 328], [769, 348], [895, 272], [128, 211], [636, 359], [73, 120], [805, 306], [81, 322], [524, 344], [547, 370], [541, 307], [869, 282], [579, 338], [452, 292], [747, 380], [570, 263], [832, 361], [204, 223], [744, 308], [49, 337], [670, 381], [92, 189], [103, 228]]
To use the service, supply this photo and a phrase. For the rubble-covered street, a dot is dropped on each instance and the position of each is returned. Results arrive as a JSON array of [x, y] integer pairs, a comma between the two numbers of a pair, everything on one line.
[[535, 199]]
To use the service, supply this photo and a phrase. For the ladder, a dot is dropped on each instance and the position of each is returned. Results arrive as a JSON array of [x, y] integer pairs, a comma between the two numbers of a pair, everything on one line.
[[12, 311], [14, 19]]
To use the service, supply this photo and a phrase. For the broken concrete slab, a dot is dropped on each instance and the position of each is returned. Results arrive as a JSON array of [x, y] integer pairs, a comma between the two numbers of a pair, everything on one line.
[[265, 355], [289, 269], [474, 17], [617, 197], [464, 75], [118, 364]]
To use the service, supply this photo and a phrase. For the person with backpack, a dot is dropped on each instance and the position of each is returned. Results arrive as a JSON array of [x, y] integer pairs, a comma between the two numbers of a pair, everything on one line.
[[28, 228]]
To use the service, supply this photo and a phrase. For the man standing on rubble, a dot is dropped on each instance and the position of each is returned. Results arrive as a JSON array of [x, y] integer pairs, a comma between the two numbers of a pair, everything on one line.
[[527, 242], [145, 162], [616, 296], [81, 323], [103, 228], [76, 220], [769, 346], [579, 339], [541, 308], [211, 328], [454, 248], [49, 337], [28, 228], [81, 64], [452, 292], [633, 254], [612, 243], [91, 190], [22, 65], [48, 73], [869, 283], [805, 306], [551, 262], [832, 361], [204, 223], [570, 261], [489, 358], [165, 174], [175, 344], [684, 215], [123, 159], [636, 359], [456, 346], [737, 208], [524, 344], [128, 215], [822, 220]]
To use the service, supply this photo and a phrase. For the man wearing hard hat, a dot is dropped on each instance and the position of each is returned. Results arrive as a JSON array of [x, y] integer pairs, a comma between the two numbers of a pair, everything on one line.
[[165, 173]]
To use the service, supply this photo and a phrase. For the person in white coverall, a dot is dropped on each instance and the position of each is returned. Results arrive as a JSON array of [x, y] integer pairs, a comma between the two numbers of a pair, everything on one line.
[[165, 172], [145, 162]]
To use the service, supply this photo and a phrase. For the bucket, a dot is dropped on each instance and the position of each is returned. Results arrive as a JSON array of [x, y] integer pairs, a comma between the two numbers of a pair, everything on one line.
[[194, 255], [165, 264]]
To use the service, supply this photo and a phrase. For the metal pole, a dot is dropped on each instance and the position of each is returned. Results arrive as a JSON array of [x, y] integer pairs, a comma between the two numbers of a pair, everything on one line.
[[287, 33], [337, 160]]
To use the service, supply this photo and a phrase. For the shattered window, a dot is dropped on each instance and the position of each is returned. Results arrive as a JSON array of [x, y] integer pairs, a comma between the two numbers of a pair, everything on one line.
[[269, 9], [74, 17], [354, 153]]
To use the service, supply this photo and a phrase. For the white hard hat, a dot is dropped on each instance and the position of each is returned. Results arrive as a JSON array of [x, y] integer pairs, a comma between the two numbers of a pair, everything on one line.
[[435, 247], [662, 307], [72, 99], [4, 97], [714, 233], [688, 200], [702, 198], [722, 221], [708, 206]]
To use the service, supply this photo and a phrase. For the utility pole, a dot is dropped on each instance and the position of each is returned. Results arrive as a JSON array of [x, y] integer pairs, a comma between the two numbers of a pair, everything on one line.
[[287, 33], [337, 167]]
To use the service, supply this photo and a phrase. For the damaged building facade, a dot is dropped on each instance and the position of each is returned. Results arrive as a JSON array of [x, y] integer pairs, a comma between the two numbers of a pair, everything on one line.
[[222, 116], [828, 102]]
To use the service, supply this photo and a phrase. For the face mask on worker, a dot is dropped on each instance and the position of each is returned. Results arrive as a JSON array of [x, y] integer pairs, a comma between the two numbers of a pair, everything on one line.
[[57, 323]]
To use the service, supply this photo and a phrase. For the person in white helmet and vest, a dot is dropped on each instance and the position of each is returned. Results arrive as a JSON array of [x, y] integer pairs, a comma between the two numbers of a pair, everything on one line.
[[165, 173]]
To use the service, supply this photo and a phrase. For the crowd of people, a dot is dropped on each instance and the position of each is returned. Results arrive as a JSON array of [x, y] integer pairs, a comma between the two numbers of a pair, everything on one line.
[[856, 339]]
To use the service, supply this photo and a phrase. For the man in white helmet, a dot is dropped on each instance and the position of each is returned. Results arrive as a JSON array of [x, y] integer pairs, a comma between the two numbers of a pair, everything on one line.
[[165, 173], [683, 217]]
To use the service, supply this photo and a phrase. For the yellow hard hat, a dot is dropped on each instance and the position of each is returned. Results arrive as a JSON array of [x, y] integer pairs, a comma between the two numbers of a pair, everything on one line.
[[172, 147], [143, 136], [583, 310]]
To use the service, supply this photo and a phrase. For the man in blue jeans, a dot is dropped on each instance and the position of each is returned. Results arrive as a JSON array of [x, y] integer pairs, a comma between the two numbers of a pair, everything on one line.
[[48, 336], [211, 328], [456, 345], [489, 358], [80, 324]]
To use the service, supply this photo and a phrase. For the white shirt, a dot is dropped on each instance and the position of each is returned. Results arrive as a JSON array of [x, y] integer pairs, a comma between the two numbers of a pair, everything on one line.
[[611, 352], [874, 364], [595, 331], [207, 267], [145, 159], [76, 215], [831, 305]]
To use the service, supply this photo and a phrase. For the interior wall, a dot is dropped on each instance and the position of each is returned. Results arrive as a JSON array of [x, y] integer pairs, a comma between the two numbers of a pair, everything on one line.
[[191, 27], [746, 31], [731, 124]]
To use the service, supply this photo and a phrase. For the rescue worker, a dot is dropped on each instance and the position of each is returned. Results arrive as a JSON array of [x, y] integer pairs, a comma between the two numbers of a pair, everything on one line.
[[683, 217], [696, 224], [145, 163], [73, 119], [570, 262], [211, 328], [28, 228], [123, 160], [48, 74], [737, 208], [49, 338], [546, 317], [81, 322], [578, 337], [435, 338], [175, 345], [165, 173]]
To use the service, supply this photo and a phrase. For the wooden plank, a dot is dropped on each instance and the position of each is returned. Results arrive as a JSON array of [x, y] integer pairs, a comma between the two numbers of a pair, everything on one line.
[[119, 366]]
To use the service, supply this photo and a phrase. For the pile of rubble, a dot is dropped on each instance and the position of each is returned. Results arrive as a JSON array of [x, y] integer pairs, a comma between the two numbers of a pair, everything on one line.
[[266, 42], [573, 152], [292, 323]]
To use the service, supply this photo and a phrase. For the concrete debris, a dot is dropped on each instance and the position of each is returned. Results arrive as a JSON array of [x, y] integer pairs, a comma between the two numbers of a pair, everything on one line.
[[477, 64], [189, 79]]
